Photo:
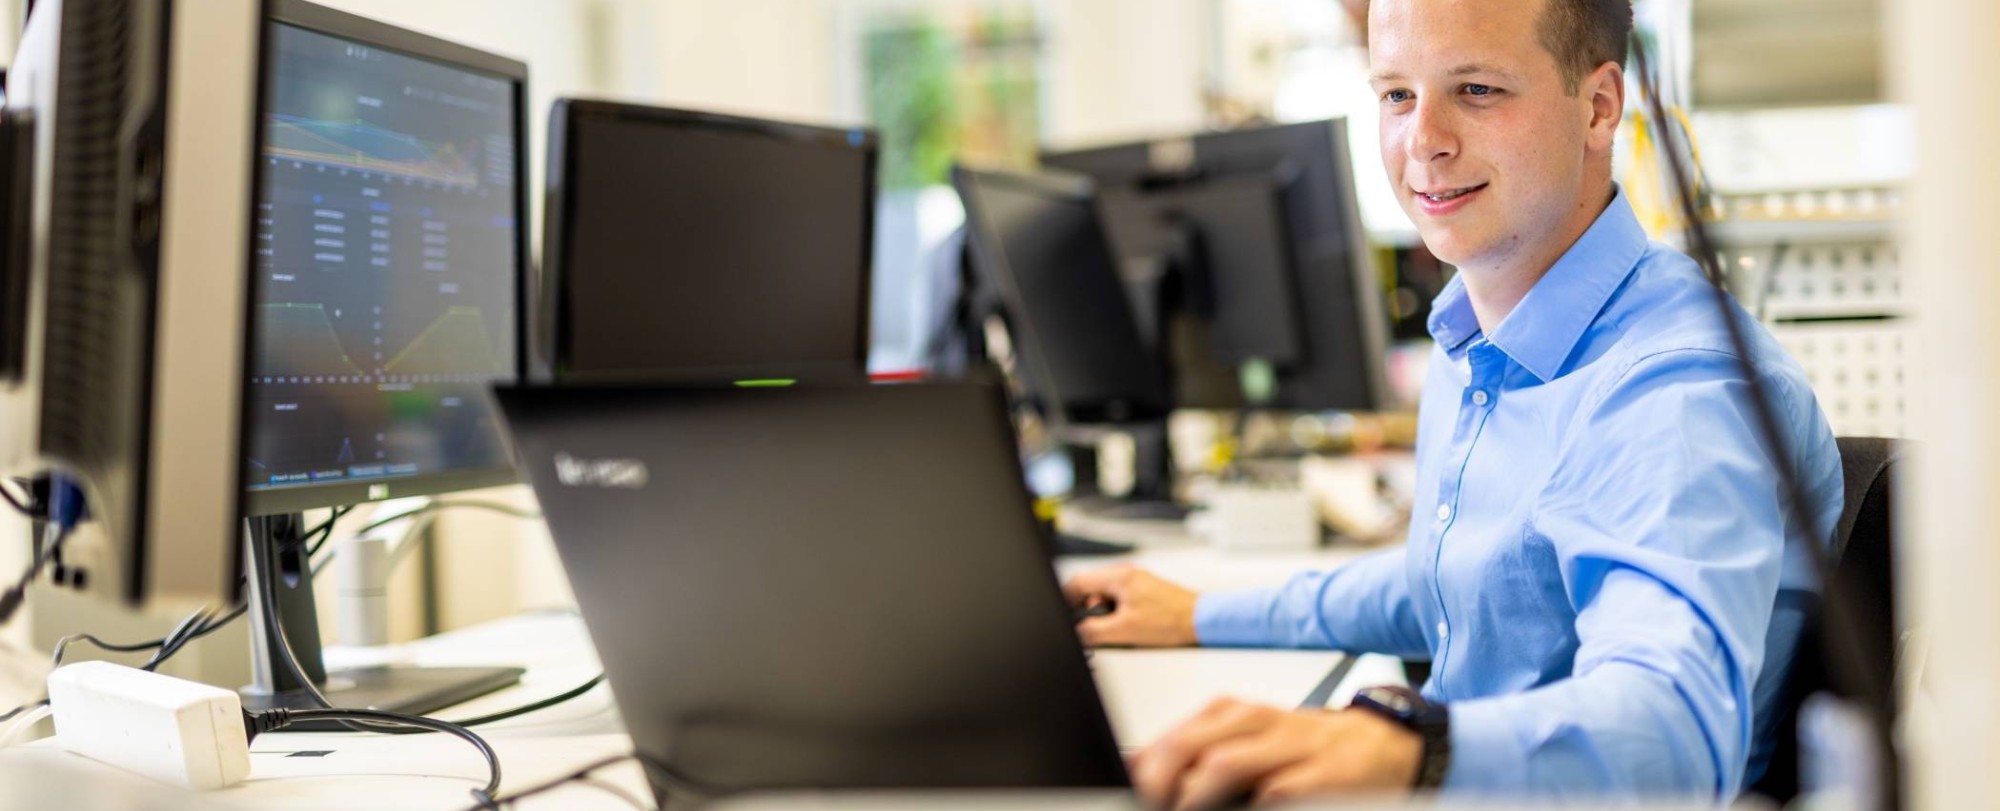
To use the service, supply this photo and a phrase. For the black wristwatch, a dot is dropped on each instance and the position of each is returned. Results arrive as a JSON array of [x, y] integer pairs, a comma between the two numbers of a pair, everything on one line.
[[1408, 708]]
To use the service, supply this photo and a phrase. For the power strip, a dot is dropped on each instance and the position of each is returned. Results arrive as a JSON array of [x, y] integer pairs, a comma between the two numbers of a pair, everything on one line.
[[174, 731]]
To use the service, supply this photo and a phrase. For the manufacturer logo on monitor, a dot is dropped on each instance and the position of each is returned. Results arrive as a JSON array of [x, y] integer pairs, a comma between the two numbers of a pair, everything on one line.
[[622, 474], [377, 492]]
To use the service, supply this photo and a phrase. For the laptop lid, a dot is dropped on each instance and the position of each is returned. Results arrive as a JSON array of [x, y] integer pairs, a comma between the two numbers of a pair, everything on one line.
[[816, 587]]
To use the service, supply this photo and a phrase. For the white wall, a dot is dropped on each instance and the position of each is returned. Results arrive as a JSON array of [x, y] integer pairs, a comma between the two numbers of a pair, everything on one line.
[[1124, 69], [1943, 59], [770, 58]]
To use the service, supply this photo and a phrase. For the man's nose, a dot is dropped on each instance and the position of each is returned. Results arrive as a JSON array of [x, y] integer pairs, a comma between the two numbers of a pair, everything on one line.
[[1432, 134]]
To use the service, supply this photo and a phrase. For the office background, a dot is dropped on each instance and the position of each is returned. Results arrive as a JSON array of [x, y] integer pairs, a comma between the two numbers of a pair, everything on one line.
[[1803, 109], [993, 80]]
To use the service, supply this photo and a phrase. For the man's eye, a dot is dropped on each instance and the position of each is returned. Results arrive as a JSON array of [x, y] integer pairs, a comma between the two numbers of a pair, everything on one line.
[[1396, 96], [1480, 90]]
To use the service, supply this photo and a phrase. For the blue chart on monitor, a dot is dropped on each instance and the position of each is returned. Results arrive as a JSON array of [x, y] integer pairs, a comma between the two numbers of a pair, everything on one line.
[[363, 147], [387, 260]]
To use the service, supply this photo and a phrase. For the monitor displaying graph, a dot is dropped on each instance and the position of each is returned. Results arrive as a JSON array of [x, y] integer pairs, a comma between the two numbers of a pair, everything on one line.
[[387, 263]]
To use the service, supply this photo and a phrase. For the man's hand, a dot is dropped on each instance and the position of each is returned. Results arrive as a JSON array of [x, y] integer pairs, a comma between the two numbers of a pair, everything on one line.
[[1149, 612], [1233, 750]]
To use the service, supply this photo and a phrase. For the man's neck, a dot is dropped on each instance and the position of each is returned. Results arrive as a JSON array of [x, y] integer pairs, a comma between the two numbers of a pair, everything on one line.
[[1495, 290]]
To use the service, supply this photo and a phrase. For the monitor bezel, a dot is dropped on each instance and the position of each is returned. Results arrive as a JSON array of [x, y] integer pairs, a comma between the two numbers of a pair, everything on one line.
[[554, 351], [361, 30]]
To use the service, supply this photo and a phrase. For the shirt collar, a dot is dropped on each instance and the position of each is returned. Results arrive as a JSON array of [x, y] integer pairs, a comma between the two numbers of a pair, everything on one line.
[[1544, 328]]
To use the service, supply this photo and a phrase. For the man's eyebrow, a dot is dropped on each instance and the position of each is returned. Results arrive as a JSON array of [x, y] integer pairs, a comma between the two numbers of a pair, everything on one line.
[[1469, 69], [1480, 67]]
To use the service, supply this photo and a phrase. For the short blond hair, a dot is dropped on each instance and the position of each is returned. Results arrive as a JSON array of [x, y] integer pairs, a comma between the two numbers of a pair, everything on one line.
[[1583, 34]]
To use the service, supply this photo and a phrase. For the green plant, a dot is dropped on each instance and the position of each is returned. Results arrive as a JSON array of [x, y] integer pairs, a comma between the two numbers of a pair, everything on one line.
[[910, 60]]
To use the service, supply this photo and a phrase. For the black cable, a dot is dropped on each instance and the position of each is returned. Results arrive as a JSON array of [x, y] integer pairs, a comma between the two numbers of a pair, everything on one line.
[[290, 657], [435, 506], [1770, 285], [375, 720], [210, 625], [10, 714], [180, 637], [324, 531], [23, 507], [526, 708], [217, 623], [255, 723], [583, 773], [62, 646], [1849, 664], [55, 533]]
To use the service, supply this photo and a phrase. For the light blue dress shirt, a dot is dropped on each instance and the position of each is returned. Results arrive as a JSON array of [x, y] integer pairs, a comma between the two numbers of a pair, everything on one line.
[[1598, 543]]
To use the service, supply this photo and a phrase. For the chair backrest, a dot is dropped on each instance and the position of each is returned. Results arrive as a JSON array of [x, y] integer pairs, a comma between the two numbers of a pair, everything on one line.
[[1864, 570]]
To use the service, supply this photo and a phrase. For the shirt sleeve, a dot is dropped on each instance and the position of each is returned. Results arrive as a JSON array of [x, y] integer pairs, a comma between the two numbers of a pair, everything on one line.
[[1666, 520], [1362, 607]]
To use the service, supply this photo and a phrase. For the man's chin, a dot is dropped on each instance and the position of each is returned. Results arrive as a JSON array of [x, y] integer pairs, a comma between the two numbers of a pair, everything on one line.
[[1451, 246]]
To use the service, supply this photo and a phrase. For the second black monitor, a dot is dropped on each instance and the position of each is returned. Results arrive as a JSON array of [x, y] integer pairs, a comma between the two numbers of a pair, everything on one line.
[[1037, 239], [1341, 332], [702, 247]]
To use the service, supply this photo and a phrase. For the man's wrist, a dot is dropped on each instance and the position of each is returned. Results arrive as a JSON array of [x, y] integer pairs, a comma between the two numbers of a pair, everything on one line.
[[1431, 723]]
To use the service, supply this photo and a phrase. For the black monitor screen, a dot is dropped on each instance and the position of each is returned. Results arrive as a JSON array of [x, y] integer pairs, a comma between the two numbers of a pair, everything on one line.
[[387, 270], [697, 246], [1039, 239], [1340, 333]]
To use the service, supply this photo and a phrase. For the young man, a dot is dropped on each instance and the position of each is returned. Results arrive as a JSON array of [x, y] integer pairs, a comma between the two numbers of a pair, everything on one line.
[[1599, 537]]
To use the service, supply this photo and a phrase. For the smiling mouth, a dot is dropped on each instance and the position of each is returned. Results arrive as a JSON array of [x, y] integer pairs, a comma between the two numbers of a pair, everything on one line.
[[1453, 194]]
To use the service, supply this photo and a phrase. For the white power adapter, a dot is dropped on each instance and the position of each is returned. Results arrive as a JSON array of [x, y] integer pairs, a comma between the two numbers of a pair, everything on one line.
[[174, 731]]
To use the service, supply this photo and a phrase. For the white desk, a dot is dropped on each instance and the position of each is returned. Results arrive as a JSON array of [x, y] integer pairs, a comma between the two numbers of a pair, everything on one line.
[[1145, 694]]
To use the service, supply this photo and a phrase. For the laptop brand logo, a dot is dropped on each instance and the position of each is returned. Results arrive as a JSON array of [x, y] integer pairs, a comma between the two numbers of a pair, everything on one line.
[[620, 474]]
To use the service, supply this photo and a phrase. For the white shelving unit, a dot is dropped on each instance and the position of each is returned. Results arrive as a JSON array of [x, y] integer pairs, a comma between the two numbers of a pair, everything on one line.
[[1822, 269]]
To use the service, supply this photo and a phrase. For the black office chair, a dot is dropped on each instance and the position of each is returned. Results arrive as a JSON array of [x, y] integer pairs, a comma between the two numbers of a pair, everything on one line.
[[1864, 568]]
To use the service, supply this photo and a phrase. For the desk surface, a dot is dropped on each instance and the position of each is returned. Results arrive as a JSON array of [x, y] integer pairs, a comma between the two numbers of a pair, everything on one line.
[[1145, 694]]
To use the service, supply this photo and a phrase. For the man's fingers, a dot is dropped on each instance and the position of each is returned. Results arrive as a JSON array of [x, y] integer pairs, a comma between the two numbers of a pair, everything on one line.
[[1232, 769], [1303, 779], [1105, 582], [1106, 630], [1158, 774]]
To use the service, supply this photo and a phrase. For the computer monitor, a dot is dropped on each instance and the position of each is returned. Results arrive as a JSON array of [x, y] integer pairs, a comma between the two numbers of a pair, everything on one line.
[[1037, 239], [1079, 349], [1341, 329], [690, 246], [125, 366], [387, 289]]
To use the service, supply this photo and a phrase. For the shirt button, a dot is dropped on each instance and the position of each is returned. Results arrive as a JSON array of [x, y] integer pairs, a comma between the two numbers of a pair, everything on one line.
[[1479, 398], [1444, 513], [1443, 631]]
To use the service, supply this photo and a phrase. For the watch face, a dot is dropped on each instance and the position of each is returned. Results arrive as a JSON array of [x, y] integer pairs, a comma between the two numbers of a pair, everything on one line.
[[1392, 699]]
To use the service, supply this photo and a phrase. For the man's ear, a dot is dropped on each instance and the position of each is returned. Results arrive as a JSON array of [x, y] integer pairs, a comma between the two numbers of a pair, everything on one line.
[[1605, 87]]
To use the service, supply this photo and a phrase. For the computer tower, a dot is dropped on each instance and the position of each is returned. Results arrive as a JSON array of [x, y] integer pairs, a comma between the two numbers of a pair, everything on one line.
[[132, 337]]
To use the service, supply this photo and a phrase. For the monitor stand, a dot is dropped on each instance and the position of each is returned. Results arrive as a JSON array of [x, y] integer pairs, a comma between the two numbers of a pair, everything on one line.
[[1152, 495], [277, 562]]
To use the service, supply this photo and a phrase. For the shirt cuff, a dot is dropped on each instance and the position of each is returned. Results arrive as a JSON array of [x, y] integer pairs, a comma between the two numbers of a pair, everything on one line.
[[1486, 754], [1234, 619]]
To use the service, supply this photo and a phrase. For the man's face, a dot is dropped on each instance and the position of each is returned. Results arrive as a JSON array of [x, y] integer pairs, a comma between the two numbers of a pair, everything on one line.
[[1483, 143]]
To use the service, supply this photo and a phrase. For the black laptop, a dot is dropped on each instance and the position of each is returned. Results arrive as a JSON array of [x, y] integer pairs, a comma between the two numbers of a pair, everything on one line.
[[826, 587]]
